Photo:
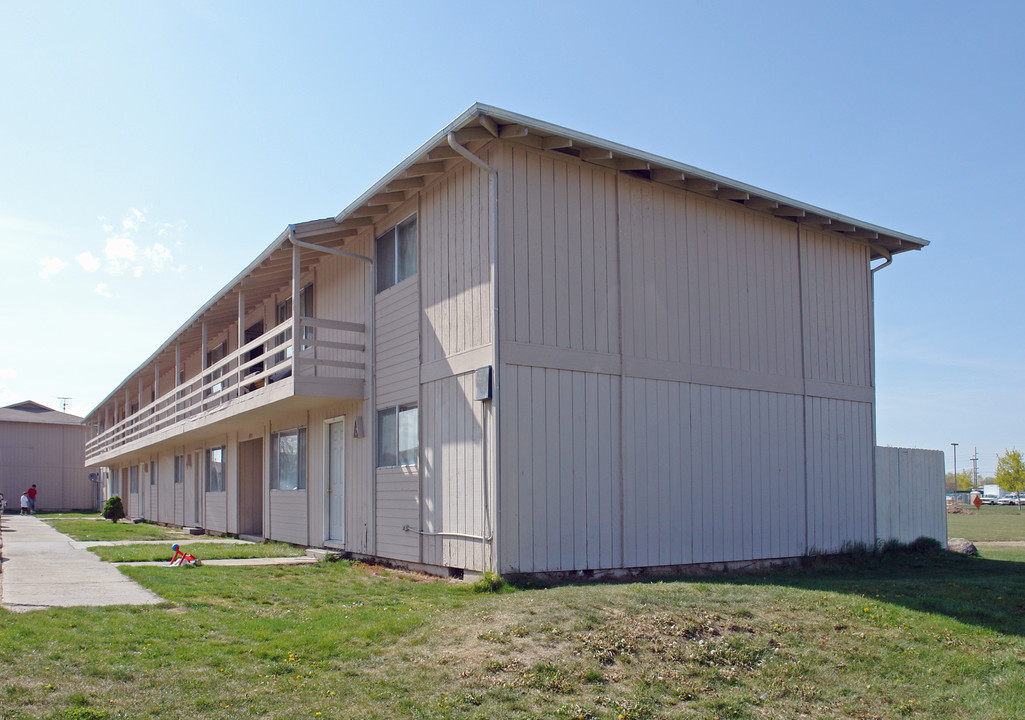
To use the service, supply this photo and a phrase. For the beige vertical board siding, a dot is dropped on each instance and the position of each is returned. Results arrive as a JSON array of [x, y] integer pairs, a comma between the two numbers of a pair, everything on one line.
[[556, 225], [836, 287], [49, 455], [910, 497], [841, 482], [288, 517], [397, 347], [455, 265], [539, 500], [452, 455], [709, 474], [397, 506], [707, 283]]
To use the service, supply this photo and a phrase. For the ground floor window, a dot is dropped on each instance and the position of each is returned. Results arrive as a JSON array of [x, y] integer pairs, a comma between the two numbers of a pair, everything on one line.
[[398, 436], [288, 460], [133, 480], [179, 469], [215, 469], [153, 473]]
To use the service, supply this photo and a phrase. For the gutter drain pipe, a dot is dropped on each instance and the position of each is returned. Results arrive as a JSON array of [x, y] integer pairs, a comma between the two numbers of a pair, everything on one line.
[[885, 253], [488, 535]]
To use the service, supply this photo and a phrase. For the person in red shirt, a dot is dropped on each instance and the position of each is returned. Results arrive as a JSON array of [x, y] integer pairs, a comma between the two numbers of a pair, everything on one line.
[[31, 492]]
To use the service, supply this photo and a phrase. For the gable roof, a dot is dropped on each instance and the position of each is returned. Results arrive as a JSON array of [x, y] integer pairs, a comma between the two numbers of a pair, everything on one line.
[[33, 412], [474, 128], [481, 123]]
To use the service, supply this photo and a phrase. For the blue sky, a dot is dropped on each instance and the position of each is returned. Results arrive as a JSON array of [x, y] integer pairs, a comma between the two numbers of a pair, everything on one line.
[[149, 151]]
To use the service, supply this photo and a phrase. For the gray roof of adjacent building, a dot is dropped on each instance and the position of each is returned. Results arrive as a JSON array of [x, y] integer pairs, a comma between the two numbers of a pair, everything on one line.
[[33, 412]]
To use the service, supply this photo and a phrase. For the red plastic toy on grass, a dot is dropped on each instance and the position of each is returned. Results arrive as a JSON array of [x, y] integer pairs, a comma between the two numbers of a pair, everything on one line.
[[181, 558]]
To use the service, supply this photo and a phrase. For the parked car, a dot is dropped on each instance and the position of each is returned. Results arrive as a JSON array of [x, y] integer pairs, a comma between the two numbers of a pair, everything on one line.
[[1007, 500], [989, 500]]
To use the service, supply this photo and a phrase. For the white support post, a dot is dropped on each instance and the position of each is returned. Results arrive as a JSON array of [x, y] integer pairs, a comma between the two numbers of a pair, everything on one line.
[[241, 339], [202, 369], [177, 377], [296, 290]]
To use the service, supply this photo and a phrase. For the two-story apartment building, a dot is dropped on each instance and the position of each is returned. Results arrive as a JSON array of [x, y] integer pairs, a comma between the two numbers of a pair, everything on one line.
[[525, 349]]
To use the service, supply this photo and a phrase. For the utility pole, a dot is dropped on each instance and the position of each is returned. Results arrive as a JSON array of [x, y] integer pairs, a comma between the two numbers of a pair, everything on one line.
[[975, 469], [955, 465]]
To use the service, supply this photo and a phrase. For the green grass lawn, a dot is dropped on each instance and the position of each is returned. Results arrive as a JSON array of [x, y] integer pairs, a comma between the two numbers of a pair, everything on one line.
[[203, 551], [86, 527], [904, 636], [988, 523]]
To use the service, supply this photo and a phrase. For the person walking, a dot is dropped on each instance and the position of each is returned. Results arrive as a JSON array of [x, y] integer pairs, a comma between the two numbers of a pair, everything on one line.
[[31, 492], [24, 504]]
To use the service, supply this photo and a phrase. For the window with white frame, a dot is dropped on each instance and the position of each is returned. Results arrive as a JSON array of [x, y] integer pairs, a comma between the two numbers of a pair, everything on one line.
[[398, 436], [215, 469], [133, 480], [288, 459], [179, 469], [396, 254]]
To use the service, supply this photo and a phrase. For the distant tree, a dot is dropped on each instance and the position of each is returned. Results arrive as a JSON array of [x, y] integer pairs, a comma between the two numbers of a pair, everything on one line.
[[963, 482], [1011, 472]]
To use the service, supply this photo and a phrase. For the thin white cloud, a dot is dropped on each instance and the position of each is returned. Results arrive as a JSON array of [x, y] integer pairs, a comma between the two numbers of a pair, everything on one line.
[[101, 289], [137, 271], [159, 256], [50, 266], [88, 261], [8, 373], [120, 253], [133, 219]]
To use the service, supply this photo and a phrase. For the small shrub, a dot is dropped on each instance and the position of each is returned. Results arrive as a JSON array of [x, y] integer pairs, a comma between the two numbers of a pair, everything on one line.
[[489, 582], [114, 509], [925, 546]]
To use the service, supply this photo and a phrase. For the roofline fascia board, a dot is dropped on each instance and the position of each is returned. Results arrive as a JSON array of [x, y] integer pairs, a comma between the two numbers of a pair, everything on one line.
[[583, 138]]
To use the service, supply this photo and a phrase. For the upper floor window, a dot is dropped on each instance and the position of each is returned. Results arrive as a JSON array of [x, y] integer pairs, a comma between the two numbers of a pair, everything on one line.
[[396, 254]]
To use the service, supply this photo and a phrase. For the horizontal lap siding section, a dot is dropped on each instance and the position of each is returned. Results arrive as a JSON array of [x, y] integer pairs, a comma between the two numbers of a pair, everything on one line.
[[560, 494], [453, 477], [397, 349], [288, 521], [215, 510], [397, 506], [710, 474]]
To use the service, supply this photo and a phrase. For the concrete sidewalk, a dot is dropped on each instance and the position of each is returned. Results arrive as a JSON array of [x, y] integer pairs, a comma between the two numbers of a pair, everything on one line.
[[41, 568]]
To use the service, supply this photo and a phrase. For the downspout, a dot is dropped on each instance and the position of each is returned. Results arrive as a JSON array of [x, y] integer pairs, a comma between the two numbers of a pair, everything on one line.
[[488, 529], [885, 253]]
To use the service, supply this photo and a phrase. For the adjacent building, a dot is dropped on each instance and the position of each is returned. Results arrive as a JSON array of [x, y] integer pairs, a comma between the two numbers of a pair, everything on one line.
[[525, 349], [46, 448]]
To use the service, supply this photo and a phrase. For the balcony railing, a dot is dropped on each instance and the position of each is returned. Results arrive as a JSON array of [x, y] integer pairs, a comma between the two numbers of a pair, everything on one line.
[[329, 351]]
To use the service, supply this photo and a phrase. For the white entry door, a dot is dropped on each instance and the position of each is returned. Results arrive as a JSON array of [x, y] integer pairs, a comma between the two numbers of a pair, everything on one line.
[[336, 480]]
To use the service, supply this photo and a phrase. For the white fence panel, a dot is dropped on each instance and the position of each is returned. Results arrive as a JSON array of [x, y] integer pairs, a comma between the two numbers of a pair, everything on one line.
[[910, 494]]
